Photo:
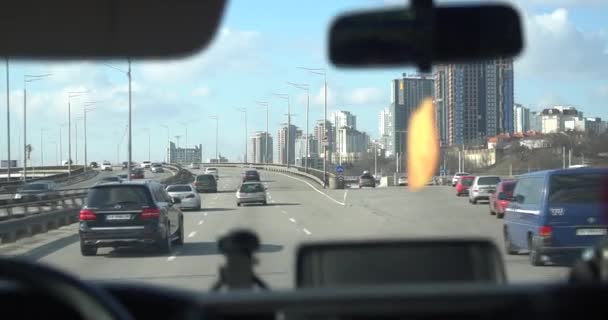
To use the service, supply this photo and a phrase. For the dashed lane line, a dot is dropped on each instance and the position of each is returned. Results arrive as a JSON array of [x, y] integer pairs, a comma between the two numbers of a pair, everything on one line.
[[200, 222], [192, 234], [306, 231], [292, 220]]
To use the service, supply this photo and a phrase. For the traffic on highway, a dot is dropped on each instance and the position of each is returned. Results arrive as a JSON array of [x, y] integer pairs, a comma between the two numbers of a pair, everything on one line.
[[242, 159]]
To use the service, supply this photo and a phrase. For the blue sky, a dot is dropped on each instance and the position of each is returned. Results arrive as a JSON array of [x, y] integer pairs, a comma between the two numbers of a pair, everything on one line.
[[259, 47]]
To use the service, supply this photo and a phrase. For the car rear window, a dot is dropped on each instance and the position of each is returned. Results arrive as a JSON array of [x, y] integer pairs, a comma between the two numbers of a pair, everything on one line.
[[578, 188], [251, 172], [119, 195], [184, 188], [251, 188], [508, 187], [467, 181], [486, 181], [205, 177]]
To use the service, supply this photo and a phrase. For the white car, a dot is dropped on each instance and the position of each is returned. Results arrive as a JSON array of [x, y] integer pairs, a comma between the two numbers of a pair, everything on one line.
[[212, 171], [157, 168], [190, 199], [106, 166], [457, 177], [146, 164], [194, 166]]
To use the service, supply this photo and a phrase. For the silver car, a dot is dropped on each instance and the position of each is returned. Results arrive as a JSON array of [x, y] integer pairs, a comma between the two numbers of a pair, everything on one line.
[[482, 187], [190, 199], [157, 168], [251, 192]]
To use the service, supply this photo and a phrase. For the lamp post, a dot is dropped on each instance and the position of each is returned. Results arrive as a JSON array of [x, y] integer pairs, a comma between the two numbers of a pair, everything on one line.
[[304, 86], [216, 118], [286, 97], [321, 72], [8, 125], [72, 94], [61, 141], [267, 106], [76, 138], [128, 74], [86, 110], [42, 130], [26, 79], [168, 141], [244, 111], [149, 155]]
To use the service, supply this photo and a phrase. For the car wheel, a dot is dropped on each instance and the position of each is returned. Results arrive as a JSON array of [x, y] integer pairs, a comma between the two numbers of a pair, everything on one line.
[[180, 240], [87, 250], [535, 257], [509, 247], [500, 215], [474, 201], [164, 245]]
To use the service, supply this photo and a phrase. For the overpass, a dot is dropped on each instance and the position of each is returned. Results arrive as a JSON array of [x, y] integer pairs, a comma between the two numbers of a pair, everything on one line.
[[299, 210]]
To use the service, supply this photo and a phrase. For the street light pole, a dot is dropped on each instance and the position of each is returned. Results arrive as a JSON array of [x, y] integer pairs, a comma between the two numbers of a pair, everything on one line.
[[321, 71], [168, 141], [86, 110], [76, 138], [244, 111], [216, 136], [27, 78], [286, 97], [42, 146], [149, 152], [305, 87], [71, 95], [8, 125]]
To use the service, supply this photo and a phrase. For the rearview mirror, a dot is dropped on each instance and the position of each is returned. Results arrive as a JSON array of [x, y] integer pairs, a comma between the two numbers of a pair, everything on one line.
[[398, 262], [72, 29], [424, 35]]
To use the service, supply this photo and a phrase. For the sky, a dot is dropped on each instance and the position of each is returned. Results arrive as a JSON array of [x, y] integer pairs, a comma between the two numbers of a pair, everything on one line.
[[258, 49]]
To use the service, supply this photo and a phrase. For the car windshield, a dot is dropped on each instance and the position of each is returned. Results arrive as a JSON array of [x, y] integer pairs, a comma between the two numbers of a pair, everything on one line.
[[264, 96], [179, 188], [124, 195], [35, 187], [487, 181], [251, 188]]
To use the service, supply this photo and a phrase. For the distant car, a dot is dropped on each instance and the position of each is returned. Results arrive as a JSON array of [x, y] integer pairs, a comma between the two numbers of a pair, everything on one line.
[[250, 175], [108, 179], [157, 168], [120, 214], [146, 164], [402, 180], [482, 187], [212, 171], [36, 190], [367, 180], [457, 176], [93, 165], [499, 200], [137, 173], [251, 192], [205, 183], [106, 166], [195, 166], [190, 199], [463, 185]]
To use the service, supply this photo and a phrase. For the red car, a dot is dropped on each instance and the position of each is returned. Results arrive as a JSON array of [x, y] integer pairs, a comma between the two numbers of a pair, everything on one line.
[[463, 185], [499, 200]]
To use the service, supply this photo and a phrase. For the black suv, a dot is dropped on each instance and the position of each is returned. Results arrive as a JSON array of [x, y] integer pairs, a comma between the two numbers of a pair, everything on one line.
[[122, 214], [205, 183]]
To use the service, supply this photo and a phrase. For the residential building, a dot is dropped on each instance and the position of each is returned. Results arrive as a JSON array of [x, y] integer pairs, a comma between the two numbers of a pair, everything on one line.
[[536, 121], [407, 94], [522, 118], [325, 141], [184, 155], [440, 103], [342, 118], [595, 125], [561, 118], [283, 145], [574, 124], [300, 150], [479, 100], [260, 148], [384, 128]]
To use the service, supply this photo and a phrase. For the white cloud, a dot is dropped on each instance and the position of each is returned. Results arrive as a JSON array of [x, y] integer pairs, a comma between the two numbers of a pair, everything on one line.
[[363, 96], [319, 97], [202, 91], [556, 49]]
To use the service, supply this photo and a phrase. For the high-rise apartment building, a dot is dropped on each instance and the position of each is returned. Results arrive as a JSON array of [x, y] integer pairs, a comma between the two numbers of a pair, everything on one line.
[[342, 119], [385, 127], [184, 155], [522, 118], [260, 148], [283, 145], [325, 141]]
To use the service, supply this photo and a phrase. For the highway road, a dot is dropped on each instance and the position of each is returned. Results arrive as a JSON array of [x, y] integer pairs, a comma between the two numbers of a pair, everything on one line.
[[296, 213]]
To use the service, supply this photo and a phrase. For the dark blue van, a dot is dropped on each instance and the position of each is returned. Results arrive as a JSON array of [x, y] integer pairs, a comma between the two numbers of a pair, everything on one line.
[[557, 213]]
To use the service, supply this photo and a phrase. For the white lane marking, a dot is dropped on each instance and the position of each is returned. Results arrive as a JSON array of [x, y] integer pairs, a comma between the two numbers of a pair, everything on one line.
[[171, 258], [292, 220], [205, 214], [314, 188], [200, 222], [191, 234], [306, 231], [345, 194]]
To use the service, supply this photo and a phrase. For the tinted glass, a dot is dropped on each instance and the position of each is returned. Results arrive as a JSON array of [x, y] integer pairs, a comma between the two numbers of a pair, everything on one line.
[[530, 190], [508, 187], [578, 188], [184, 188], [121, 195], [467, 181], [487, 181], [251, 188], [250, 173], [205, 178]]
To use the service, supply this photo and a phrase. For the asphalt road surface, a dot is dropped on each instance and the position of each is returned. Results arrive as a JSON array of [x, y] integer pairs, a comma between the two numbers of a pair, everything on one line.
[[296, 213]]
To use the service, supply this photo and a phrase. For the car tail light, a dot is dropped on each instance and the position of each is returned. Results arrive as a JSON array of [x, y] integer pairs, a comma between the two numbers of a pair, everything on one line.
[[190, 196], [150, 213], [545, 231], [87, 215]]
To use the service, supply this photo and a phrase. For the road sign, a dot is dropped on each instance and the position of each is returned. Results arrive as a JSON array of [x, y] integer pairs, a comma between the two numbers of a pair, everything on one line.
[[339, 169]]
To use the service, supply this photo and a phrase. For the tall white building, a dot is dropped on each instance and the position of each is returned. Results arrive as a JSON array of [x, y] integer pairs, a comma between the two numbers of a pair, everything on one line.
[[522, 118], [343, 119], [560, 118], [260, 148], [385, 128]]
